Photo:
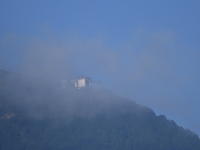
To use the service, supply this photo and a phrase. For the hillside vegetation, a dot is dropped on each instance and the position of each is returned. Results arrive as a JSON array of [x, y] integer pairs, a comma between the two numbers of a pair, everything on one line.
[[37, 116]]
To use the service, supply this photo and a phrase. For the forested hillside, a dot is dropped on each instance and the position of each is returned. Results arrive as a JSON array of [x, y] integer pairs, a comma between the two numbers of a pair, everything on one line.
[[36, 116]]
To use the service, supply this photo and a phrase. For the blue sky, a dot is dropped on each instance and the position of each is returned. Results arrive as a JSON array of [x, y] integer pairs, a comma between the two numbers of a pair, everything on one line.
[[146, 50]]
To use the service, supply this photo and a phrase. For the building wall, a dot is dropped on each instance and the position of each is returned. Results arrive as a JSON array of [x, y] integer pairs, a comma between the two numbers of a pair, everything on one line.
[[81, 83]]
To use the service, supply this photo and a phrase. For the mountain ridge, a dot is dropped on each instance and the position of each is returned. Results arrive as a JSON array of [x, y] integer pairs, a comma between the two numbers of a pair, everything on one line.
[[36, 116]]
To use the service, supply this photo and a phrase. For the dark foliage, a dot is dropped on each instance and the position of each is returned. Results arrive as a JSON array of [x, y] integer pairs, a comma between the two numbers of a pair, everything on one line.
[[37, 117]]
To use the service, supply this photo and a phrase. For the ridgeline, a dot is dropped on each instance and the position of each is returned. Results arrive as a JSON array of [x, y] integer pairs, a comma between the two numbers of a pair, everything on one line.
[[36, 116]]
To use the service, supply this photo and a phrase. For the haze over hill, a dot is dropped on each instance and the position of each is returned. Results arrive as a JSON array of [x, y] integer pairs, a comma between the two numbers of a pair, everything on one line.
[[146, 51], [36, 115], [41, 99]]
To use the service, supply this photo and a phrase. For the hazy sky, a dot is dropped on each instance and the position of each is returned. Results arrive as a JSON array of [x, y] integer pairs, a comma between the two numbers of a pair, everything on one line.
[[146, 50]]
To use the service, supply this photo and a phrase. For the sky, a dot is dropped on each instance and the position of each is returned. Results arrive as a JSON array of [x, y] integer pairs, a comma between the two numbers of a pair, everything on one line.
[[145, 50]]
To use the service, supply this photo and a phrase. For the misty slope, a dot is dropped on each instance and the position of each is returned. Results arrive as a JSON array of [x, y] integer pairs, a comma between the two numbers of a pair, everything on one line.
[[34, 115]]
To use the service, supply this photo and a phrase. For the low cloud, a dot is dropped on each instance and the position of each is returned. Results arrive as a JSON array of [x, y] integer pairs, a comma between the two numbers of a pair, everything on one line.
[[156, 69]]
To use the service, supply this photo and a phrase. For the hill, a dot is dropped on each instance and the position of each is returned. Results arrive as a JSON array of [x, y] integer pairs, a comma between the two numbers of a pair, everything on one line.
[[35, 115]]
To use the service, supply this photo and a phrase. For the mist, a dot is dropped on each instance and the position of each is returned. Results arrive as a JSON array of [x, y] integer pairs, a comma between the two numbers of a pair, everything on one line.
[[31, 98], [152, 69]]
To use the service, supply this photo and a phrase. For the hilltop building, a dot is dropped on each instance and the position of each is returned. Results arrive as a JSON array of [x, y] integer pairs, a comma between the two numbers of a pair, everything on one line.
[[80, 83]]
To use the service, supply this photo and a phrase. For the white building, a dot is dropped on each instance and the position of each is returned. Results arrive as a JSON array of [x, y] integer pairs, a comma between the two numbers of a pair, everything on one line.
[[82, 82]]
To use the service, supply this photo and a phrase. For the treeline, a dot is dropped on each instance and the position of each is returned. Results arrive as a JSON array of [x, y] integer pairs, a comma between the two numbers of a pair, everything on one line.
[[34, 116], [102, 132]]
